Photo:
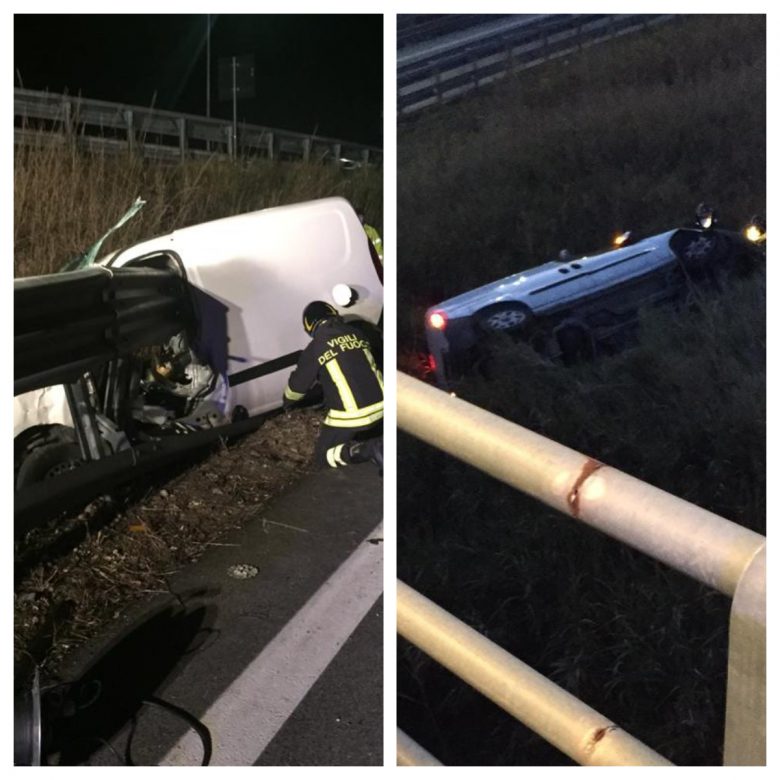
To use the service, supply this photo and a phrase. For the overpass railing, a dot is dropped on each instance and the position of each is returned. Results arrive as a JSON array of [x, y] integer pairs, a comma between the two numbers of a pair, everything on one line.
[[715, 551]]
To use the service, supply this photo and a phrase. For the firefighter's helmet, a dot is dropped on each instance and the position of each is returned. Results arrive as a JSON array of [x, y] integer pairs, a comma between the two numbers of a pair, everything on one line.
[[315, 313]]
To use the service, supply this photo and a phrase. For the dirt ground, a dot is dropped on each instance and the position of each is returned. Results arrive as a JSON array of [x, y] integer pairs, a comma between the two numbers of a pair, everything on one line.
[[128, 545]]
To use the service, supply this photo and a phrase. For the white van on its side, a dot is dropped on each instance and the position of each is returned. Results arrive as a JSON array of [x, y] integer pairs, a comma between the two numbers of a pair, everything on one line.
[[248, 278]]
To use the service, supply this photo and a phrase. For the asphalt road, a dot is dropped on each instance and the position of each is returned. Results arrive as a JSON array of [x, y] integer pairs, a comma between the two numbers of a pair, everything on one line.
[[281, 668]]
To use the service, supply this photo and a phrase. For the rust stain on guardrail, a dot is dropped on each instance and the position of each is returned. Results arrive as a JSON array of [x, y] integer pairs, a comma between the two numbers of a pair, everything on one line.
[[589, 467], [597, 736]]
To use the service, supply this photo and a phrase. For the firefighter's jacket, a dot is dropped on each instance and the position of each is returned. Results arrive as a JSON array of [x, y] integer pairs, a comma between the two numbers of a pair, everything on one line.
[[340, 358]]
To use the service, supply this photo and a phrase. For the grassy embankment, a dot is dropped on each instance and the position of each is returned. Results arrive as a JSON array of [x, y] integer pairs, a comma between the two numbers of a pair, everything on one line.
[[630, 134], [64, 201]]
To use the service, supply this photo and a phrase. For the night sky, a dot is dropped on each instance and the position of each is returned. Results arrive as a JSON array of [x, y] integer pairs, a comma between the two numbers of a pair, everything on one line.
[[314, 73]]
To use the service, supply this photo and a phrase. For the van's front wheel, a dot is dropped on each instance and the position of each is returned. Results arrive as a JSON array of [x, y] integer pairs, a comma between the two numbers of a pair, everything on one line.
[[48, 452]]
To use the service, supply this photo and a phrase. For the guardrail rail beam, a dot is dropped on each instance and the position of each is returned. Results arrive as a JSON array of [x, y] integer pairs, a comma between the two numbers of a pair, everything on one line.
[[563, 720]]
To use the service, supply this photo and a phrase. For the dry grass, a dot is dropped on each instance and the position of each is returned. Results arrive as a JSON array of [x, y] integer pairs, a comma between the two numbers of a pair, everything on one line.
[[65, 200]]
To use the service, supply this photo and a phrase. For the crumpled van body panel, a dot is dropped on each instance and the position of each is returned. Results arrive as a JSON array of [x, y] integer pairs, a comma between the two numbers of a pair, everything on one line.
[[263, 268]]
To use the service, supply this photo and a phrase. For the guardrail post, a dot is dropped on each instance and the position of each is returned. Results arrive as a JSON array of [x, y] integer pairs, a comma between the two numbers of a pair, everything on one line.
[[306, 149], [271, 146], [227, 131], [181, 124], [365, 156], [129, 126], [67, 118], [336, 149], [745, 741]]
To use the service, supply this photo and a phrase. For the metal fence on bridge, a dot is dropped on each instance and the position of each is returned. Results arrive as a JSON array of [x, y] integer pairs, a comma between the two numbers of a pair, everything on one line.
[[715, 551], [445, 68], [43, 117]]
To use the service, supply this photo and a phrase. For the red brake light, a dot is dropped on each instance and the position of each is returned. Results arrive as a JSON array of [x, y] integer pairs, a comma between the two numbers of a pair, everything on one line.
[[437, 320]]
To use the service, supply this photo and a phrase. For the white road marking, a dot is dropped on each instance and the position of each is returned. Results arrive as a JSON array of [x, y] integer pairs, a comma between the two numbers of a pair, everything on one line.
[[257, 703]]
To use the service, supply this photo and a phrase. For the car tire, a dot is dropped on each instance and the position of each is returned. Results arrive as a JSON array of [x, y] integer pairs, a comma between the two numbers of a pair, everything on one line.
[[505, 318], [46, 452]]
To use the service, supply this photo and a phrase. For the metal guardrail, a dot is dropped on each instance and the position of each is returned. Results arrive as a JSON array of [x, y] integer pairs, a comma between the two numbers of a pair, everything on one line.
[[586, 736], [709, 548], [97, 124], [65, 324], [448, 68], [69, 324], [420, 28]]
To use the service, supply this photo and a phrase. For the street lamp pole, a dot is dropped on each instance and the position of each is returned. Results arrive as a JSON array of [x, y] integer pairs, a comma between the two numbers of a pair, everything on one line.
[[208, 65], [235, 112]]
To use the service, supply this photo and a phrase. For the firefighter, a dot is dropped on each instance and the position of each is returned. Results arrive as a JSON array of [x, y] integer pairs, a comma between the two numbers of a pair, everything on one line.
[[374, 239], [340, 358]]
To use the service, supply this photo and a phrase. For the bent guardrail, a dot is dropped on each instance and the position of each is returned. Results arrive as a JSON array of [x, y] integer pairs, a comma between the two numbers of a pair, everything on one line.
[[70, 324], [65, 324], [709, 548]]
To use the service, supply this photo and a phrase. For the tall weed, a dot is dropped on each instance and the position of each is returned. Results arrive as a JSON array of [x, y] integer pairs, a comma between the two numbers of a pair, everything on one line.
[[65, 199]]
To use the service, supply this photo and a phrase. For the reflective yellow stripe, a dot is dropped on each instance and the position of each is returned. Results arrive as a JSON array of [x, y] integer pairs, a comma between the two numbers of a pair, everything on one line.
[[338, 414], [334, 458], [377, 372], [353, 422], [291, 395], [337, 375]]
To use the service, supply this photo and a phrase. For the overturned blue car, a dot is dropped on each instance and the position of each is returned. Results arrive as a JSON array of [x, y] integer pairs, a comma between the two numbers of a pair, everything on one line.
[[575, 308]]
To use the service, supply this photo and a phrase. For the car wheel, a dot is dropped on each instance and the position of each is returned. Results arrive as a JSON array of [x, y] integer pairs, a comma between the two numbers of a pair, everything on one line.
[[48, 452], [505, 318]]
